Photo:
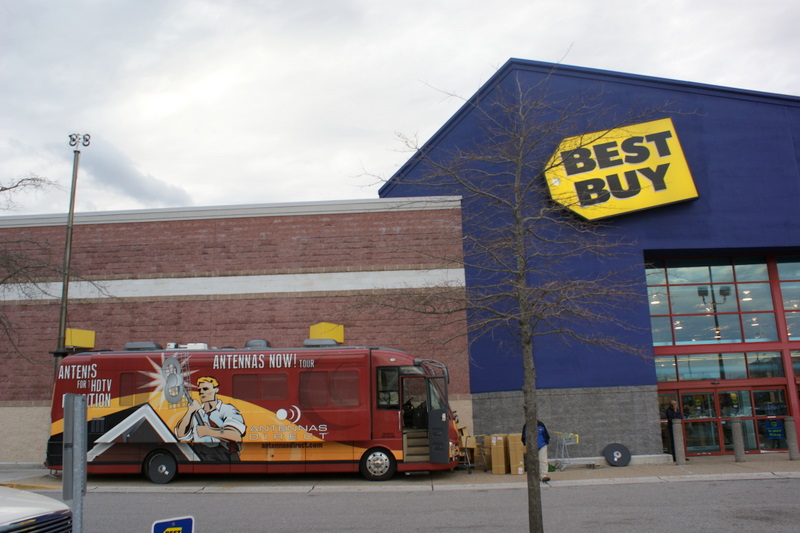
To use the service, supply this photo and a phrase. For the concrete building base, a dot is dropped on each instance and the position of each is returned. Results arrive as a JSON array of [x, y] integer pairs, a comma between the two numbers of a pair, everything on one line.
[[600, 416]]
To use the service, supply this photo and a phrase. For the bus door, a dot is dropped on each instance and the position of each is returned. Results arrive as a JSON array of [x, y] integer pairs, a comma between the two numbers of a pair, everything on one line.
[[438, 419], [425, 412]]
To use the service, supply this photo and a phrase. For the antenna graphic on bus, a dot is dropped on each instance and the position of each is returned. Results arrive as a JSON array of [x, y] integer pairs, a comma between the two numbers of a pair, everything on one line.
[[293, 415], [175, 371], [174, 376]]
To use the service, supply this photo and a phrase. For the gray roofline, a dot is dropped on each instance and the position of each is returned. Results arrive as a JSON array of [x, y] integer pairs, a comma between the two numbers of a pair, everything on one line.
[[644, 80], [334, 207]]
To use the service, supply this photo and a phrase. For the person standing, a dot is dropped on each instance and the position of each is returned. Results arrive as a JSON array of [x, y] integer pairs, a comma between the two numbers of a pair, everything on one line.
[[542, 440], [672, 413]]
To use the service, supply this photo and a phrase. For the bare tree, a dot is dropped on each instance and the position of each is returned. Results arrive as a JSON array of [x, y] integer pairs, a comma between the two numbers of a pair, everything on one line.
[[521, 246], [31, 182], [24, 263]]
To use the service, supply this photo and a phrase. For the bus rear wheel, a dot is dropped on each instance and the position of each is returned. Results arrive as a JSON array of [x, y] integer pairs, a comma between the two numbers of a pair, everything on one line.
[[377, 464], [160, 467]]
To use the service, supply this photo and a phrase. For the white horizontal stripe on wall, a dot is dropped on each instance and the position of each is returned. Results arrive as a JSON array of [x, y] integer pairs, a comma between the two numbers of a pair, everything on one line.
[[333, 207], [236, 285]]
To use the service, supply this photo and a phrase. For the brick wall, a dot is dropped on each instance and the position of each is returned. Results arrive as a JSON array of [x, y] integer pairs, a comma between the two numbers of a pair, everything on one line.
[[216, 247]]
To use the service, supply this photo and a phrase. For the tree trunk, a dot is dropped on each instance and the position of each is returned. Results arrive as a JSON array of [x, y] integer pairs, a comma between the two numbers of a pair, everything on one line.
[[535, 522]]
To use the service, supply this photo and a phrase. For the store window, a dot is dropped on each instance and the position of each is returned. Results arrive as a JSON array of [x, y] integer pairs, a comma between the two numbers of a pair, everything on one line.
[[719, 366], [796, 363], [716, 300], [789, 274], [750, 307]]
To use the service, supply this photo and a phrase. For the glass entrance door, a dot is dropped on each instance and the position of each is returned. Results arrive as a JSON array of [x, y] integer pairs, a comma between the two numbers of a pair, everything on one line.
[[707, 418], [701, 432]]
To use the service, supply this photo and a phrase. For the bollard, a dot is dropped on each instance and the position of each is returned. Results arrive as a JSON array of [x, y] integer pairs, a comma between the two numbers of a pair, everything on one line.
[[791, 438], [738, 439], [677, 435]]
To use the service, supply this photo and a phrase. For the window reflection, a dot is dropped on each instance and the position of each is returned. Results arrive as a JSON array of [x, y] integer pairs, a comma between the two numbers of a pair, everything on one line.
[[702, 270], [765, 364], [793, 325], [790, 290], [716, 298], [720, 366], [751, 269], [656, 275], [661, 330], [666, 369], [796, 363], [688, 299], [789, 267], [759, 327], [659, 302], [709, 329], [754, 297], [707, 305], [708, 367]]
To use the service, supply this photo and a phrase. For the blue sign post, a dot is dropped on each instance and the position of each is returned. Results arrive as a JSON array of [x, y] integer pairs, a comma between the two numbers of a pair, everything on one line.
[[183, 524]]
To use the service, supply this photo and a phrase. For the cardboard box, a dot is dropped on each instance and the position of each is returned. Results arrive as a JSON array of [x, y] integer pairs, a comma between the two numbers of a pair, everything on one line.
[[516, 457], [499, 454]]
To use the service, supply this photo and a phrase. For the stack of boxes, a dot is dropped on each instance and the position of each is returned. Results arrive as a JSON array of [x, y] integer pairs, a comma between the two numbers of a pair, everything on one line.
[[516, 454], [499, 454], [504, 453]]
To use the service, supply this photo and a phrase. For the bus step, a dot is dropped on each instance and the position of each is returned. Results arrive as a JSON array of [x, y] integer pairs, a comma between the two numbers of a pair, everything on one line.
[[417, 450]]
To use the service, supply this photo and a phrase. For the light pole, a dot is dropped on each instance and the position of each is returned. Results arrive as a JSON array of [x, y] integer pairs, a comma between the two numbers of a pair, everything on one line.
[[76, 140]]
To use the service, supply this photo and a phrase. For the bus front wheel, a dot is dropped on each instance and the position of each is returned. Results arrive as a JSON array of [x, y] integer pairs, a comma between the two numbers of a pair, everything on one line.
[[160, 467], [377, 464]]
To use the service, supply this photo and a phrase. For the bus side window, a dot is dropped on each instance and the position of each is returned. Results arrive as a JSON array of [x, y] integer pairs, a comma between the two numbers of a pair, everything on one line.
[[313, 389], [344, 388], [274, 387], [389, 388], [245, 386], [260, 386]]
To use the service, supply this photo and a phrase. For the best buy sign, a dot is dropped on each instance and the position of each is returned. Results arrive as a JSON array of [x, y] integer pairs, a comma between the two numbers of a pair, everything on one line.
[[617, 171]]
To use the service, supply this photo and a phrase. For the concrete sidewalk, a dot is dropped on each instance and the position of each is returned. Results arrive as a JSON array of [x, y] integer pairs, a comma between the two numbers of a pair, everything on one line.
[[756, 466]]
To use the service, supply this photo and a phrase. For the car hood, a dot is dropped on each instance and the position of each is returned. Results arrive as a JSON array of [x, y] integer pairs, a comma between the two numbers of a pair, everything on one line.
[[16, 505]]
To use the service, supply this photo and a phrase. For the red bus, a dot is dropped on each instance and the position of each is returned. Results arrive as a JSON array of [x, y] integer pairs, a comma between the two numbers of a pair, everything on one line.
[[320, 408]]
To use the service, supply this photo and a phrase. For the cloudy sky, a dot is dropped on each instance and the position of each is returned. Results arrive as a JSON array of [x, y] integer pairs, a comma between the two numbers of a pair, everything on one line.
[[225, 102]]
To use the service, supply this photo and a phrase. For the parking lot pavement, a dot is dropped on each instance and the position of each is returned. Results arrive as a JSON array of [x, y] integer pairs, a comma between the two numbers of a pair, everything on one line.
[[755, 466]]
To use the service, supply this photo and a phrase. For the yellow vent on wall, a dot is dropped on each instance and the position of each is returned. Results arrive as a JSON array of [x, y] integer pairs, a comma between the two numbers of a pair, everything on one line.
[[326, 330], [79, 338]]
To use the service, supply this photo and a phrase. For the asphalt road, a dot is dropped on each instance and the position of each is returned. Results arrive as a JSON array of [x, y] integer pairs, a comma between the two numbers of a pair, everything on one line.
[[697, 506]]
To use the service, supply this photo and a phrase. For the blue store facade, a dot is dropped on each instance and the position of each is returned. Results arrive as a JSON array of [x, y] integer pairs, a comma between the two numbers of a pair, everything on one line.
[[718, 320]]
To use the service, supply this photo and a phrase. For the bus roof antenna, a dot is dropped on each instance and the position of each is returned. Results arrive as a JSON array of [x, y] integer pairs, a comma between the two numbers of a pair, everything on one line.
[[320, 343], [257, 343]]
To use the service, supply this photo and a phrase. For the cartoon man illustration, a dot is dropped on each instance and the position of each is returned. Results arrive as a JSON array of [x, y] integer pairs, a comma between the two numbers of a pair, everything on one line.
[[215, 428]]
